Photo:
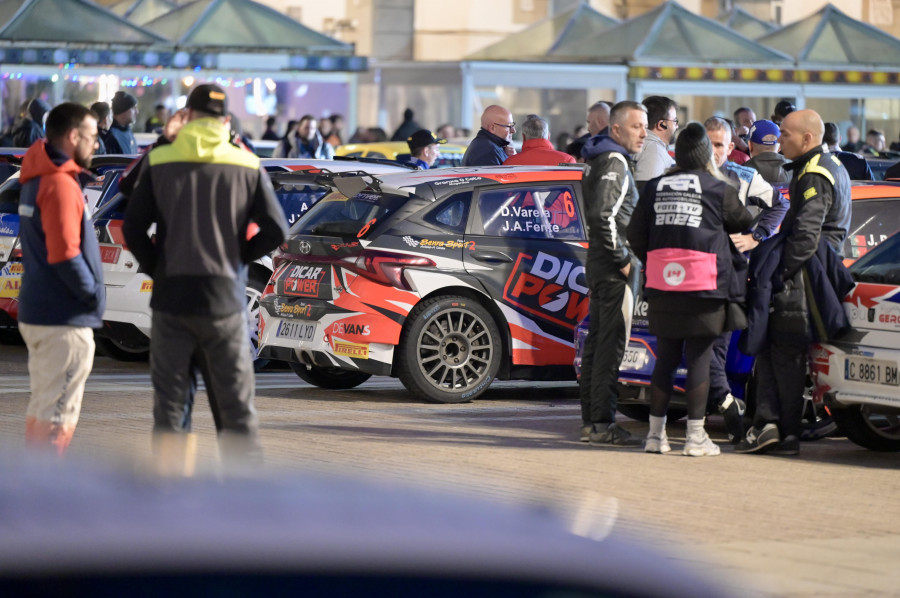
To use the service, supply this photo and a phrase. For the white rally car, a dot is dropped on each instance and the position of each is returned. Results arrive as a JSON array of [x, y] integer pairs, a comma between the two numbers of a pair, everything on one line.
[[126, 322], [857, 376]]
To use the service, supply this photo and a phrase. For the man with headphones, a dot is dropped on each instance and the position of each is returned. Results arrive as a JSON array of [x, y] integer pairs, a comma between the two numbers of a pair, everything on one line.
[[654, 159]]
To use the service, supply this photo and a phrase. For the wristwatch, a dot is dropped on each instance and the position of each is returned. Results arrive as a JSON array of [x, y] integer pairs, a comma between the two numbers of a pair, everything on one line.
[[758, 236]]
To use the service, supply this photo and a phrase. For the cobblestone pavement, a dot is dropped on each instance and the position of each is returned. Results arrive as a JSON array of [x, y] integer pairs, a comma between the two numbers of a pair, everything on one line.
[[823, 524]]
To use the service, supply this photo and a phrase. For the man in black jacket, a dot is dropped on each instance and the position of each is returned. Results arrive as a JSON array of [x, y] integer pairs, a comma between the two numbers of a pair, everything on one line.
[[820, 207], [610, 196]]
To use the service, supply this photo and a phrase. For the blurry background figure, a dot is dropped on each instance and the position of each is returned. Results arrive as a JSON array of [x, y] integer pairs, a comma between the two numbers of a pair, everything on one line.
[[743, 119], [157, 121], [237, 134], [104, 119], [737, 156], [446, 131], [875, 143], [270, 134], [856, 165], [304, 141], [662, 122], [120, 139], [407, 127], [854, 143], [536, 147], [562, 140], [782, 109], [6, 140], [325, 129], [597, 120], [31, 127], [378, 134], [336, 137], [361, 135]]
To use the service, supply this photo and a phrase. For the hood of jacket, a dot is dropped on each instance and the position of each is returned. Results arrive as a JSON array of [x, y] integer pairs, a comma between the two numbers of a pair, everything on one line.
[[599, 144], [38, 162], [203, 138]]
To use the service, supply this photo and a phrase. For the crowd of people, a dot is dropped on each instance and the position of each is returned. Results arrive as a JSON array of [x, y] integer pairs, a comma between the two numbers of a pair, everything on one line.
[[694, 228]]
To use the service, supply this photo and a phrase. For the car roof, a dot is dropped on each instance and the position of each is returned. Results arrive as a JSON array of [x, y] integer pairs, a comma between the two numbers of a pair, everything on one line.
[[444, 181], [304, 164]]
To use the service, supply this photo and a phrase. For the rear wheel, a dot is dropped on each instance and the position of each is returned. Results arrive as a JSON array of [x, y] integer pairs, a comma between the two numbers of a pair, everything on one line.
[[870, 428], [121, 350], [331, 378], [256, 284], [449, 350]]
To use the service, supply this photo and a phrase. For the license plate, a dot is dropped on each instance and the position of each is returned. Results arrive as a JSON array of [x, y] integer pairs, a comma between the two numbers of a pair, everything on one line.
[[300, 331], [872, 371], [109, 254], [634, 359]]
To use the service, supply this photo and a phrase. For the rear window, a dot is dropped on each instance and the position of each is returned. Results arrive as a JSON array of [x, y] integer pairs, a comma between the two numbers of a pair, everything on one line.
[[335, 215], [872, 221]]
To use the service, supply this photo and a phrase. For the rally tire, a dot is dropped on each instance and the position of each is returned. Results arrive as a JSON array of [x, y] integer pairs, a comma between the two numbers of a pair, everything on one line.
[[122, 351], [874, 430], [330, 378], [449, 350]]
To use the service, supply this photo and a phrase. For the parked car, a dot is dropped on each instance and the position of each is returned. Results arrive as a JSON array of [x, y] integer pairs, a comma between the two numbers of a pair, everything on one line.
[[875, 216], [857, 375], [450, 154], [446, 279], [126, 322]]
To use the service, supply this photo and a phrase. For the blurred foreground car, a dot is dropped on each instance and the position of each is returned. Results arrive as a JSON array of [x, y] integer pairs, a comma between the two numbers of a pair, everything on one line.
[[446, 279], [450, 154], [126, 322], [116, 534], [857, 375]]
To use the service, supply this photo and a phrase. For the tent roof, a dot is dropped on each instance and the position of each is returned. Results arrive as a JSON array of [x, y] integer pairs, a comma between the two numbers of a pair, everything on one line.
[[746, 24], [239, 24], [831, 37], [140, 12], [668, 34], [538, 39], [51, 20]]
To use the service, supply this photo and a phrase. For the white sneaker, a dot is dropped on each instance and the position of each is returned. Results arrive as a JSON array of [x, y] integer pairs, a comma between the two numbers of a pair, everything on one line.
[[657, 443], [700, 446]]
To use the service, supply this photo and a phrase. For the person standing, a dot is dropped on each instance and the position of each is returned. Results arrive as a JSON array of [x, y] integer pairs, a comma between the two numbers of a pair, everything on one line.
[[744, 118], [857, 167], [120, 139], [654, 159], [491, 146], [819, 209], [610, 195], [304, 141], [770, 206], [62, 296], [407, 127], [423, 148], [764, 156], [202, 193], [157, 121], [679, 230], [31, 127], [597, 119], [536, 147], [104, 120], [270, 134]]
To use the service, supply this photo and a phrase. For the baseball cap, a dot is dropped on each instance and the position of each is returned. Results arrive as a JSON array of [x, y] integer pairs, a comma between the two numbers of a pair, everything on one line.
[[783, 108], [208, 98], [422, 138], [764, 132]]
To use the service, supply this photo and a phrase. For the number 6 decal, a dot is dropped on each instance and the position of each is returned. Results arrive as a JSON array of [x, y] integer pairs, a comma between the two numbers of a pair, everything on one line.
[[365, 229]]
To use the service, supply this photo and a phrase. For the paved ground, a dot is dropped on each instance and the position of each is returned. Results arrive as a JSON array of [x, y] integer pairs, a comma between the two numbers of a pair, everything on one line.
[[823, 524]]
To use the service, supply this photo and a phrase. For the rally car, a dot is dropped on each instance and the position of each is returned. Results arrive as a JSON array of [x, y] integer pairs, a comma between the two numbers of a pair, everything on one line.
[[857, 375], [874, 217], [126, 322], [447, 279]]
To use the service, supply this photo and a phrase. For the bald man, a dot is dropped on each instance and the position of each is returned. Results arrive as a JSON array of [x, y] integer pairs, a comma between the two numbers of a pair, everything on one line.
[[491, 146], [819, 210]]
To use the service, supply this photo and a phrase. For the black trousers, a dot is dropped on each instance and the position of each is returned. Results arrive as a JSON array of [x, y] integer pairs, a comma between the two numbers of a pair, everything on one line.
[[603, 351], [781, 379], [718, 379]]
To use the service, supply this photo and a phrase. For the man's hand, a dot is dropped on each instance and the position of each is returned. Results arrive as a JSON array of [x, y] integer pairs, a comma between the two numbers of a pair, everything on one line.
[[510, 150], [174, 124], [744, 242], [626, 270]]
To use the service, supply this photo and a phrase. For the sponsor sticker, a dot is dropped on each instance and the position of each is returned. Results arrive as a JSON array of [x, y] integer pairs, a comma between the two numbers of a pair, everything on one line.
[[304, 281], [147, 286], [350, 329], [348, 349], [9, 286], [550, 287]]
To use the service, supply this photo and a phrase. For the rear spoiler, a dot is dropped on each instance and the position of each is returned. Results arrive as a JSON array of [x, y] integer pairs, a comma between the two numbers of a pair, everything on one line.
[[387, 161], [348, 183]]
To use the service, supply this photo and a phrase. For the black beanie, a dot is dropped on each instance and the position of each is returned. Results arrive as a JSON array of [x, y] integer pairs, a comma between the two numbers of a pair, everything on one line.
[[123, 102], [692, 148]]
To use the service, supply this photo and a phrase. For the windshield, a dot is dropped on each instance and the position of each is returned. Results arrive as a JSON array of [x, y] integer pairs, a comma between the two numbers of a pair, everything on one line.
[[355, 217], [881, 265]]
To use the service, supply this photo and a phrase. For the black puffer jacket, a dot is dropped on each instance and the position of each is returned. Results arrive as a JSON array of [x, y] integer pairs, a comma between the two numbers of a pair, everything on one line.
[[610, 196]]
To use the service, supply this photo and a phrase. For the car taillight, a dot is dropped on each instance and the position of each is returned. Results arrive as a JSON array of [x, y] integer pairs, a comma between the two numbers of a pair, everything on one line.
[[16, 254], [387, 268]]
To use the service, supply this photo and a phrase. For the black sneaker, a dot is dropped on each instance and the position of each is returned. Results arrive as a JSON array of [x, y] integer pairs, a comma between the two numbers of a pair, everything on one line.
[[732, 410], [614, 436], [586, 432], [758, 441], [788, 447]]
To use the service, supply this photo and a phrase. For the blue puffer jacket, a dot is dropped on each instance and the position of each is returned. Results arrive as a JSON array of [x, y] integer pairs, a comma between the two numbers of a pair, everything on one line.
[[825, 282]]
